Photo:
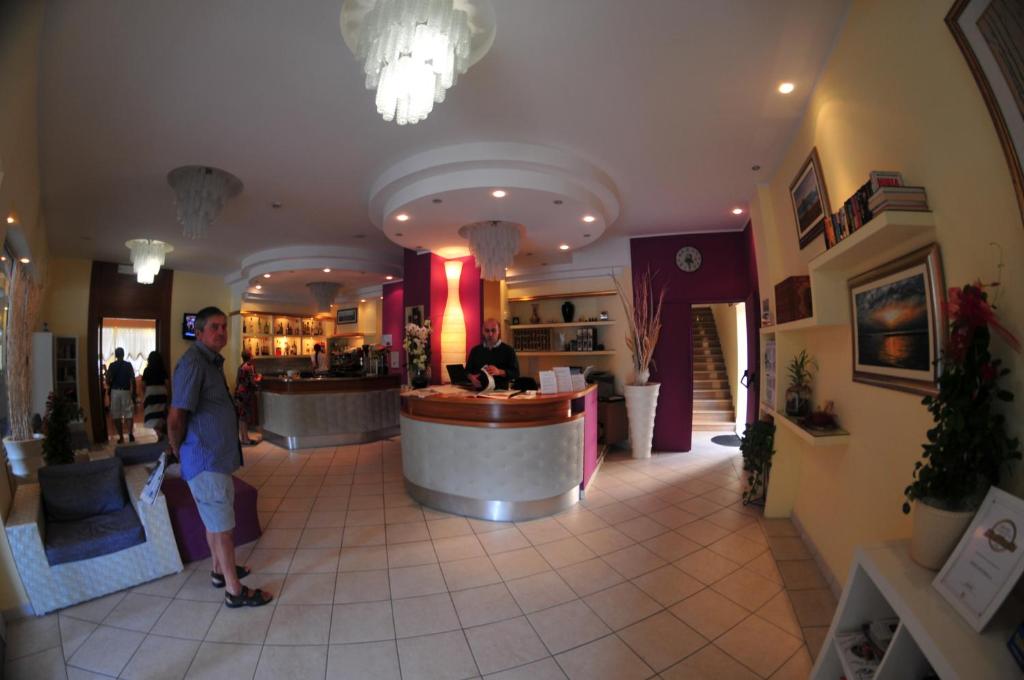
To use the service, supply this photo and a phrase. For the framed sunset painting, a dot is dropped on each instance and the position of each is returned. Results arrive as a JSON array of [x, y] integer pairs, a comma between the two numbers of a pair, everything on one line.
[[898, 322]]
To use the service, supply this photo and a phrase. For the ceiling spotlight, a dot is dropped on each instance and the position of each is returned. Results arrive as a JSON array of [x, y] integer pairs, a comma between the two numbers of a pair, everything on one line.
[[388, 277], [786, 88], [359, 236], [755, 167], [327, 270], [437, 200], [402, 217], [498, 193], [586, 236], [11, 219], [275, 204], [259, 286], [558, 201], [363, 300], [564, 246], [589, 218], [266, 276], [398, 233], [737, 211], [381, 297], [24, 260]]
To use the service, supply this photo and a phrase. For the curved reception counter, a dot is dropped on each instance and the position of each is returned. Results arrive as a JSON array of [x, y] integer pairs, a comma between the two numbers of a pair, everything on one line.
[[497, 458], [299, 413]]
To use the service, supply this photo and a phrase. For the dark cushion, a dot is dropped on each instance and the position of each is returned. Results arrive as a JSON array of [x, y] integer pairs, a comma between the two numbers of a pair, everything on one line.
[[81, 490], [93, 536], [140, 453]]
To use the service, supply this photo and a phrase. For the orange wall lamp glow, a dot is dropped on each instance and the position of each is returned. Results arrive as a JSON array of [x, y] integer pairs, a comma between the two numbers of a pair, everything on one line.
[[453, 323]]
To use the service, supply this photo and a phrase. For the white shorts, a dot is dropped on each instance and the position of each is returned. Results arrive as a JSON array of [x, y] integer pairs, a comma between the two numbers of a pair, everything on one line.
[[121, 404]]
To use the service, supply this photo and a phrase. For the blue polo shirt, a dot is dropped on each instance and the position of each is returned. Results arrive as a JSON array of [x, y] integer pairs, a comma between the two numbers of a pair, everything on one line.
[[211, 438]]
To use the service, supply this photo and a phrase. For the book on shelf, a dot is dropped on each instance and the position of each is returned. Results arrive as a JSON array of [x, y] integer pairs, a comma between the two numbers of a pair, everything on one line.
[[860, 657], [885, 178], [899, 198]]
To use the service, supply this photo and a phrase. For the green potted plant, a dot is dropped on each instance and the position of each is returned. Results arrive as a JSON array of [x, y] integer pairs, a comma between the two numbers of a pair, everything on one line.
[[757, 446], [798, 394], [968, 449], [60, 412]]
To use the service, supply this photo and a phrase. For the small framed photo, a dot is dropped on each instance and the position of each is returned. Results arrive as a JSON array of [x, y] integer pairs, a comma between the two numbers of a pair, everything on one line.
[[348, 315], [415, 315], [988, 561], [766, 312], [898, 323], [810, 200]]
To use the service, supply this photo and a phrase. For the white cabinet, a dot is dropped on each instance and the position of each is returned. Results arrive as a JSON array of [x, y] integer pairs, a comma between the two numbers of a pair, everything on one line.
[[884, 582]]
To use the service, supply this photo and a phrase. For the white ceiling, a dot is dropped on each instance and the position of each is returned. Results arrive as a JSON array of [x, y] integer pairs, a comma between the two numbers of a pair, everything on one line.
[[673, 100]]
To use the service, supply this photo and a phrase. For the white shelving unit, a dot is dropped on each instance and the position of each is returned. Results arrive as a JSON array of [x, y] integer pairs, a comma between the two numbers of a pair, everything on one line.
[[841, 438], [573, 324], [884, 582]]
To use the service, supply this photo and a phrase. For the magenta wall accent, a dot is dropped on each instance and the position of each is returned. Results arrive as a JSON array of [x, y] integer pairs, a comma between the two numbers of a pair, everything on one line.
[[392, 320], [724, 276], [471, 295]]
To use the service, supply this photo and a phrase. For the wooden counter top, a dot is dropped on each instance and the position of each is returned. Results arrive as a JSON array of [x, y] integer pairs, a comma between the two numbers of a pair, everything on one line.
[[320, 385], [466, 408]]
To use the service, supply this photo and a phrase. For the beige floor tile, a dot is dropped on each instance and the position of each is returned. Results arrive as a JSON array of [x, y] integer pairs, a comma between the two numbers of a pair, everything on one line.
[[95, 610], [662, 640], [710, 663], [707, 566], [616, 512], [622, 605], [801, 575], [545, 669], [363, 661], [701, 507], [320, 538], [673, 517], [709, 613], [568, 625], [29, 636], [363, 558], [322, 519], [671, 546], [48, 664], [564, 552], [137, 612], [314, 561], [415, 581], [788, 548], [813, 607], [295, 663], [296, 504], [444, 656], [486, 604], [541, 531], [411, 554], [362, 586], [703, 532], [198, 587], [300, 624], [288, 520], [369, 502], [161, 658], [641, 528], [448, 527], [286, 539], [270, 560], [754, 532], [458, 548], [186, 619], [758, 645], [403, 514], [730, 519], [73, 632], [407, 532], [519, 563], [362, 622], [330, 504], [168, 586], [540, 591], [696, 486], [722, 496], [362, 536], [633, 561], [668, 585], [608, 658], [798, 667], [365, 518], [747, 589], [218, 661], [503, 540], [590, 576], [505, 644], [424, 615], [580, 521], [308, 589], [604, 541], [737, 548], [107, 650], [765, 565], [815, 637], [778, 527], [470, 573], [779, 611], [245, 626], [646, 503]]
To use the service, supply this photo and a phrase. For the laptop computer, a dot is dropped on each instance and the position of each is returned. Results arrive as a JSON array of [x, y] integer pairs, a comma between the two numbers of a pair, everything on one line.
[[458, 376]]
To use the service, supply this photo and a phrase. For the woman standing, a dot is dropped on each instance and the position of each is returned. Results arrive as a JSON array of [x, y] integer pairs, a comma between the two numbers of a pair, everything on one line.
[[157, 393], [321, 363], [245, 397]]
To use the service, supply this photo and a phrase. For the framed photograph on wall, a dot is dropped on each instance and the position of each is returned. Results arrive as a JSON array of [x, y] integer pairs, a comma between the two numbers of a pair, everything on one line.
[[810, 200], [898, 322], [414, 315], [348, 315], [991, 35]]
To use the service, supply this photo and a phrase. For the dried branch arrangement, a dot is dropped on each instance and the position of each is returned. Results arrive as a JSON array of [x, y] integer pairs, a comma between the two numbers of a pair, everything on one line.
[[26, 298], [643, 315]]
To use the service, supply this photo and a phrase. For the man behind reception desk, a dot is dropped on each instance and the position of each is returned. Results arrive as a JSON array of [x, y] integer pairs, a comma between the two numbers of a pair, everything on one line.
[[493, 356]]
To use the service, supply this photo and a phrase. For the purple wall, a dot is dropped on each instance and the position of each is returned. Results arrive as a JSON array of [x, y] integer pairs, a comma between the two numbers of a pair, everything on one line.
[[724, 276], [392, 320]]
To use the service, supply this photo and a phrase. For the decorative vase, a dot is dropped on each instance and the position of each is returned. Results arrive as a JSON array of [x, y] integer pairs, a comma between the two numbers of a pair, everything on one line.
[[936, 533], [419, 378], [25, 456], [568, 311], [641, 405], [798, 401], [535, 317]]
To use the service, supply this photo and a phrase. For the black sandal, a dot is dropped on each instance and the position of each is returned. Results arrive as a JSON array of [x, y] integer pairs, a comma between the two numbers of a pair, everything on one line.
[[247, 598], [217, 580]]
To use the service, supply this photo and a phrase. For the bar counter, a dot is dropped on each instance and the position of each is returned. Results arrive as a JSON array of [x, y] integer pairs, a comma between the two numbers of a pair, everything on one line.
[[496, 458], [299, 413]]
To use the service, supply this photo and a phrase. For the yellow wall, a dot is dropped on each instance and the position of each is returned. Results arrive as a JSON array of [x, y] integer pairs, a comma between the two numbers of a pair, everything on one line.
[[191, 293], [66, 310], [895, 94]]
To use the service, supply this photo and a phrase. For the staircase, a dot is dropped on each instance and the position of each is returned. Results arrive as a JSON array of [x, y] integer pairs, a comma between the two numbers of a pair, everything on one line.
[[712, 401]]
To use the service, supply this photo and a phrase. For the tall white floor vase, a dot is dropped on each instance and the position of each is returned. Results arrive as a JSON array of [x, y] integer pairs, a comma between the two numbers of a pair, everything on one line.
[[25, 456], [641, 404]]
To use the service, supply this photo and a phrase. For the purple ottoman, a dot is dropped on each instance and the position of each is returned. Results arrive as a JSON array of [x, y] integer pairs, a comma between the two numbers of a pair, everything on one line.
[[189, 531]]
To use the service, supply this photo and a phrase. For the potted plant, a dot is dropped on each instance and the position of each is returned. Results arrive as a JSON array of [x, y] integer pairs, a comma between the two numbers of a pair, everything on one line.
[[798, 394], [757, 446], [968, 449], [23, 447], [417, 353], [643, 326], [60, 411]]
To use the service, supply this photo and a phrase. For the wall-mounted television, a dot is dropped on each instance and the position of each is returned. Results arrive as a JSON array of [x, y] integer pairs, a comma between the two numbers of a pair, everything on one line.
[[188, 326]]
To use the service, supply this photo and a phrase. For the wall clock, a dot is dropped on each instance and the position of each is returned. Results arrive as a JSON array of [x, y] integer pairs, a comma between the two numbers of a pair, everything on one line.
[[689, 259]]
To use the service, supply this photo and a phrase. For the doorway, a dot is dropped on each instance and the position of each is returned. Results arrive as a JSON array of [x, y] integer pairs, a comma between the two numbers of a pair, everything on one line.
[[720, 362], [137, 337]]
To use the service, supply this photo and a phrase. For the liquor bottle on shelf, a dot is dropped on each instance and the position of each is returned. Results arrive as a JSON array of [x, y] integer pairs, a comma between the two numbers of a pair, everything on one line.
[[280, 328]]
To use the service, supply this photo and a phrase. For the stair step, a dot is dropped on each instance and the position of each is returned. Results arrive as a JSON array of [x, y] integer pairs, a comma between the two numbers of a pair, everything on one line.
[[699, 395], [711, 375], [713, 416], [712, 404], [705, 384], [712, 427]]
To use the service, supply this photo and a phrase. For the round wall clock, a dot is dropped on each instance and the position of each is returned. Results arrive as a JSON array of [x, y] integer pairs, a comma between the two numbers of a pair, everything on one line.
[[689, 259]]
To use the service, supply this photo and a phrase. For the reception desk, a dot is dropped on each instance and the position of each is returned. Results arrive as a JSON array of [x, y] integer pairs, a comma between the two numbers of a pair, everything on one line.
[[298, 413], [496, 458]]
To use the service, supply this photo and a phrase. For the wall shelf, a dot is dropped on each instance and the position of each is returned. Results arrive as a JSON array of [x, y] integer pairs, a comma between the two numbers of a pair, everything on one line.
[[838, 438], [571, 324], [562, 296]]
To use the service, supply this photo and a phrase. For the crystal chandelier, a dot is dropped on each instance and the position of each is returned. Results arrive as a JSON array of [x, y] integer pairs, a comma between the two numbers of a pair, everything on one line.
[[147, 257], [494, 244], [201, 193], [412, 52], [324, 293]]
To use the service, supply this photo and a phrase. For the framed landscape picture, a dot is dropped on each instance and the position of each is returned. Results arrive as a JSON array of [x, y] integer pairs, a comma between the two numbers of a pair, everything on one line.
[[991, 35], [349, 315], [898, 322], [810, 200]]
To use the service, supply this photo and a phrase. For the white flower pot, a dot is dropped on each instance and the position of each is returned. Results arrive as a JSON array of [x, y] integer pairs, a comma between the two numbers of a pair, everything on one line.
[[641, 404], [936, 533], [25, 456]]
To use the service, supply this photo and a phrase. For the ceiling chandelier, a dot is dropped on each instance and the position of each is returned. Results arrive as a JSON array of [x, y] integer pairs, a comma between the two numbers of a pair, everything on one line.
[[324, 293], [414, 50], [201, 192], [147, 257], [494, 244]]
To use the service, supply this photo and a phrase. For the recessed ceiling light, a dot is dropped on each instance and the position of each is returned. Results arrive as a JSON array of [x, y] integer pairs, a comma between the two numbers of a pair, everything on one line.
[[589, 218], [564, 246], [327, 270], [24, 260], [275, 204], [586, 236], [401, 217], [498, 193], [363, 300], [398, 233], [437, 200], [259, 287], [558, 201], [11, 219], [389, 278], [737, 211], [266, 276], [359, 236], [381, 297], [755, 167], [786, 88]]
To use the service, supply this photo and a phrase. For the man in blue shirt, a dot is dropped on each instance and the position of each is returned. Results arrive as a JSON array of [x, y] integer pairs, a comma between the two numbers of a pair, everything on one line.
[[203, 432], [121, 378]]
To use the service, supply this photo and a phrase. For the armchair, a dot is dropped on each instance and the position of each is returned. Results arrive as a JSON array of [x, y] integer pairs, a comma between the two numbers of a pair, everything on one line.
[[74, 537]]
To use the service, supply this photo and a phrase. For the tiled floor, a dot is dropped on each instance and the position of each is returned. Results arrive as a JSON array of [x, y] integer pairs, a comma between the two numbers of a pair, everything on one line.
[[659, 573]]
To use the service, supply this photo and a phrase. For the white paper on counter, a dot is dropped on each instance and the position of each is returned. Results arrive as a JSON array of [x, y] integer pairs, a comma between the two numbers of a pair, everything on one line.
[[579, 383], [563, 377], [548, 382]]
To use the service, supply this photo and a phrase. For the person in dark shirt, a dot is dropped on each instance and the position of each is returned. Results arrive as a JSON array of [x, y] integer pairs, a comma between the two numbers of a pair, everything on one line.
[[493, 356], [121, 378]]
